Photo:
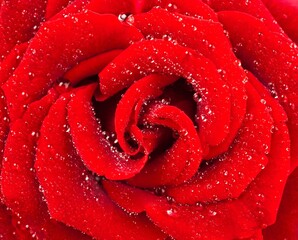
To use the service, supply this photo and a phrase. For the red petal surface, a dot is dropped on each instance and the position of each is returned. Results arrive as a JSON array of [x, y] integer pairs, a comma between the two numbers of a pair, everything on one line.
[[12, 61], [115, 7], [274, 61], [175, 165], [230, 175], [214, 221], [55, 6], [6, 228], [4, 129], [18, 181], [286, 14], [19, 20], [208, 38], [254, 8], [286, 225], [54, 44], [74, 196], [164, 57], [195, 8], [90, 67], [238, 218], [76, 6], [96, 151]]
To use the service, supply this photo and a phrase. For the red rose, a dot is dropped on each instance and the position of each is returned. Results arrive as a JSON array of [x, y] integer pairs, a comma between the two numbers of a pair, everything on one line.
[[151, 119]]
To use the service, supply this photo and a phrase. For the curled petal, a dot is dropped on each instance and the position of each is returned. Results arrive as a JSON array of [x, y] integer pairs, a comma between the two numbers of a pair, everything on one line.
[[286, 223], [254, 8], [208, 38], [285, 12], [90, 67], [164, 57], [18, 181], [70, 190], [129, 108], [96, 151], [19, 21], [6, 227], [272, 58], [176, 165], [230, 175], [39, 70], [12, 61]]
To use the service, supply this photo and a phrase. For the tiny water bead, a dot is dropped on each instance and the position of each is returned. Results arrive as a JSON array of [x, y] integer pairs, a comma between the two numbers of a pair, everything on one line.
[[123, 16], [171, 212], [183, 146]]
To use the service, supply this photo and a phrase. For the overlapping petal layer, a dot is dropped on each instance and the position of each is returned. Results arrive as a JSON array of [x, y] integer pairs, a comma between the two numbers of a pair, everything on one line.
[[160, 119]]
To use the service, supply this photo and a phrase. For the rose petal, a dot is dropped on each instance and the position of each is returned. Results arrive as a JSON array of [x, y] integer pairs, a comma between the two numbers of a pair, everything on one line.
[[129, 108], [265, 193], [176, 165], [55, 6], [4, 128], [75, 7], [274, 61], [18, 182], [90, 67], [70, 190], [166, 58], [54, 44], [255, 8], [195, 8], [230, 175], [6, 228], [115, 7], [213, 221], [286, 14], [19, 21], [11, 62], [96, 151], [208, 38], [286, 224]]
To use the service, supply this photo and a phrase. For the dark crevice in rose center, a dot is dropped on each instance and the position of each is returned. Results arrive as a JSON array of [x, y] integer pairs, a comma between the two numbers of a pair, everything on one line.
[[105, 113], [131, 140], [165, 141], [181, 95], [87, 81]]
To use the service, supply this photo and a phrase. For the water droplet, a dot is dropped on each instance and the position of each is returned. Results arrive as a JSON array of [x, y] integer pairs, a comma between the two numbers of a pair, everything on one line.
[[122, 17], [212, 213], [171, 212]]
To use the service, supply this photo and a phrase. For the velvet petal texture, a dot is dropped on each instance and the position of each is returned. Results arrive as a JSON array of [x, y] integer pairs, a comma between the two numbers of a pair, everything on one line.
[[72, 193], [280, 73], [286, 225], [19, 184], [151, 119], [286, 14], [38, 69]]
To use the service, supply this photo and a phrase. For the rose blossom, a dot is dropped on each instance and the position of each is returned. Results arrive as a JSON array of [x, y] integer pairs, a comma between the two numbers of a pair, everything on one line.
[[149, 119]]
